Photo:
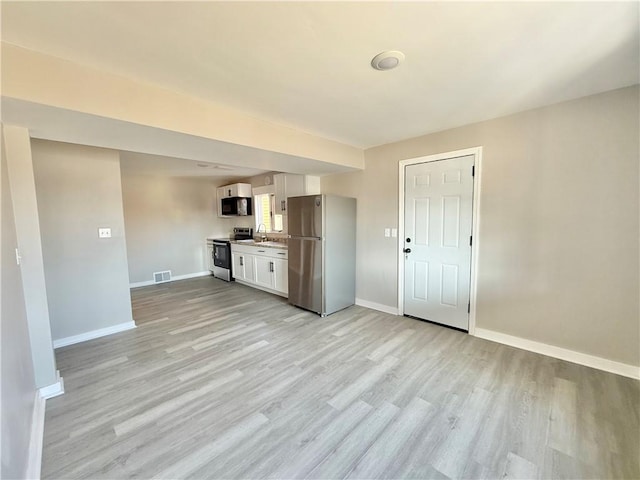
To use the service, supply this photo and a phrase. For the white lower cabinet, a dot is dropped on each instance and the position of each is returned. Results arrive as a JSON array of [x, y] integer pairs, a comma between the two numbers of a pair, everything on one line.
[[243, 266], [264, 271], [261, 267], [281, 275], [210, 263]]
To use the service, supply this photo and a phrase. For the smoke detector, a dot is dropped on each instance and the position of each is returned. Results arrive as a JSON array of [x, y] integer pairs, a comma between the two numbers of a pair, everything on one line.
[[387, 60]]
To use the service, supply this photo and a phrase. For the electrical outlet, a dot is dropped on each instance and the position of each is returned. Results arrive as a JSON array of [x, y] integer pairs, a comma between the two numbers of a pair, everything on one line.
[[104, 233], [387, 232]]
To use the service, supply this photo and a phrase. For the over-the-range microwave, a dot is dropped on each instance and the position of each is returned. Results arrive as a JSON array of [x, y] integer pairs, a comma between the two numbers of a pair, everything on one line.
[[236, 206]]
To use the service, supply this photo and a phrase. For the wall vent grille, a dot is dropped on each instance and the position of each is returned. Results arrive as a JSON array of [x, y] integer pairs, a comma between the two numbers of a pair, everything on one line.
[[162, 277]]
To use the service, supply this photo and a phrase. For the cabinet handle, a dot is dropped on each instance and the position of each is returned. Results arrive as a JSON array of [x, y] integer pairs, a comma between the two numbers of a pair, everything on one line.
[[241, 261], [281, 253], [271, 266], [261, 251]]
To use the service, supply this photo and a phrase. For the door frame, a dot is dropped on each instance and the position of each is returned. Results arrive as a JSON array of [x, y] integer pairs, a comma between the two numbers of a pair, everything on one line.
[[475, 223]]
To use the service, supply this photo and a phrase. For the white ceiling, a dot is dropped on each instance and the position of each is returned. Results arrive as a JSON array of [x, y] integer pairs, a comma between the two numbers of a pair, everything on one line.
[[306, 64], [132, 163]]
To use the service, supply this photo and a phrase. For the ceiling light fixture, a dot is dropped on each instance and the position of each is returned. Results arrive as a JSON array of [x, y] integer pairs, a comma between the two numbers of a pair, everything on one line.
[[213, 165], [387, 60]]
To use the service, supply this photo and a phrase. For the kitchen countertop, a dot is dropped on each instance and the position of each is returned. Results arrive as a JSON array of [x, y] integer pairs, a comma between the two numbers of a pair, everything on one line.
[[253, 243]]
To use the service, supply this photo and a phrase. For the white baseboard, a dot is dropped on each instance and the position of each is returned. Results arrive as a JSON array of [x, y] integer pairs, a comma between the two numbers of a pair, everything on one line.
[[101, 332], [37, 437], [592, 361], [54, 389], [177, 277], [142, 284], [377, 306], [264, 289], [191, 275]]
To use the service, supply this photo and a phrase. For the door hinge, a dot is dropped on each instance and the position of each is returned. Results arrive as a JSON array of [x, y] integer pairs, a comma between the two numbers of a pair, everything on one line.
[[471, 240], [469, 307], [473, 170]]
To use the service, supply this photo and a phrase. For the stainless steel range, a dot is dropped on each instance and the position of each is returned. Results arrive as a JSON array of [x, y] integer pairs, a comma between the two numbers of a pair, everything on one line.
[[221, 252]]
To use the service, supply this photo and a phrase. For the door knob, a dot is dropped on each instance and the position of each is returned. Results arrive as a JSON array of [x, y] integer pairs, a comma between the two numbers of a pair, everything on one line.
[[407, 250]]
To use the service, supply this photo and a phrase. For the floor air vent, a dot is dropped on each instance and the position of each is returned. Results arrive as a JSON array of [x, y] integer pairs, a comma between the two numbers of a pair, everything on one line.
[[161, 277]]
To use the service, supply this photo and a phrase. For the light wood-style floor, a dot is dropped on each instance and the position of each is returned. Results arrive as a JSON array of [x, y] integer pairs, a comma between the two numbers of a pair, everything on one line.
[[223, 381]]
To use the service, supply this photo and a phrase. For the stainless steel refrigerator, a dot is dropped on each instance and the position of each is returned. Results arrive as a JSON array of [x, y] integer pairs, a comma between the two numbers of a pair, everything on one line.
[[322, 252]]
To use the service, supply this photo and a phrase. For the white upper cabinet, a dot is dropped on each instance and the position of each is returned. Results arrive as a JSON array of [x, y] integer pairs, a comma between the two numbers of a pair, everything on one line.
[[286, 185], [290, 185], [235, 190], [219, 197], [311, 185]]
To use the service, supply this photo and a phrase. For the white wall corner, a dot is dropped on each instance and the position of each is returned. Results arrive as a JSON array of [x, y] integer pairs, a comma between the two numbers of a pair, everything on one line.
[[36, 438], [377, 306], [101, 332], [587, 360], [54, 389]]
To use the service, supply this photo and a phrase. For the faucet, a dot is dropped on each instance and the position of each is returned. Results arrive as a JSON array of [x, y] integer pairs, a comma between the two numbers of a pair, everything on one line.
[[263, 237]]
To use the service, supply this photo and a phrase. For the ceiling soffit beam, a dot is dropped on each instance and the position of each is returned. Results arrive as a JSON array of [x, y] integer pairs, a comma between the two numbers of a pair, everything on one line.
[[42, 79]]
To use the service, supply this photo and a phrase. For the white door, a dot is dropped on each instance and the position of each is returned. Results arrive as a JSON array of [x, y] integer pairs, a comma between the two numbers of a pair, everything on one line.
[[437, 218]]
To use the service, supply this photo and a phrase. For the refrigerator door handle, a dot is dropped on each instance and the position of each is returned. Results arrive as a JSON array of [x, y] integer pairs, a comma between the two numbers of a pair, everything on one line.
[[295, 237]]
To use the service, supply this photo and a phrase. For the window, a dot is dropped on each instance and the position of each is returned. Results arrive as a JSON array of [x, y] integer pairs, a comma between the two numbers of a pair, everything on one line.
[[263, 204], [266, 220], [277, 223]]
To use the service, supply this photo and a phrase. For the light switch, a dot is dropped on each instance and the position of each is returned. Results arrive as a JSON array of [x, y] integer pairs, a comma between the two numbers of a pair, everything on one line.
[[387, 232], [104, 233], [394, 232]]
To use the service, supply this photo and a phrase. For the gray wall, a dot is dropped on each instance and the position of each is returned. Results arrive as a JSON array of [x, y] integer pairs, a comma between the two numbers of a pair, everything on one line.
[[167, 221], [25, 210], [17, 379], [78, 190], [558, 240]]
